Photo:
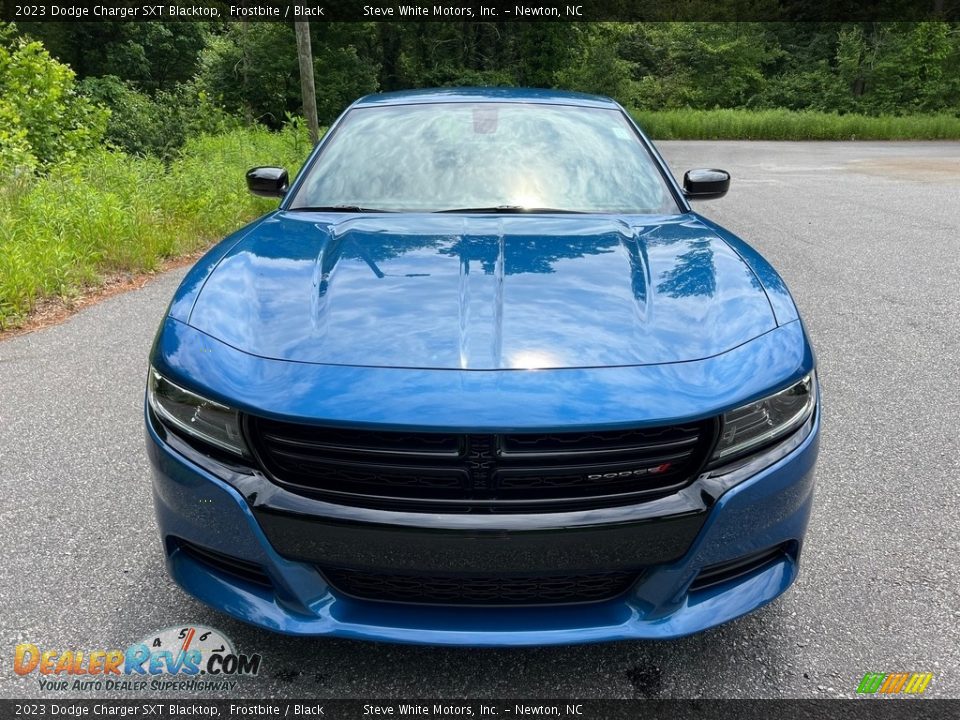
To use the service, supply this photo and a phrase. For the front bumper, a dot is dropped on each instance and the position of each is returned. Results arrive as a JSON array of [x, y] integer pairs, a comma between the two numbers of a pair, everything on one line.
[[714, 521]]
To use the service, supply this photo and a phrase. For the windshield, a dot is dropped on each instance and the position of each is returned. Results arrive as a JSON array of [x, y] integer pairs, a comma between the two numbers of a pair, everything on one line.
[[494, 156]]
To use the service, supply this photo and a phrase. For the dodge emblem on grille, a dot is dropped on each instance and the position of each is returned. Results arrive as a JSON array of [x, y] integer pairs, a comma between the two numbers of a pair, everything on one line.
[[639, 472]]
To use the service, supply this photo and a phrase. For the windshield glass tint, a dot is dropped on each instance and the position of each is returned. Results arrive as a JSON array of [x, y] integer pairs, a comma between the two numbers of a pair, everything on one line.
[[448, 156]]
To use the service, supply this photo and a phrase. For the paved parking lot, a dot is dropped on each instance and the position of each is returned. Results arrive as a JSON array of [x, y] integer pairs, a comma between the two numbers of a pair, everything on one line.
[[867, 235]]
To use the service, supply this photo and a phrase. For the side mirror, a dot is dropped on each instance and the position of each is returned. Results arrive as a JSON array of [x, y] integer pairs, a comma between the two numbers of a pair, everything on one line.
[[267, 181], [705, 184]]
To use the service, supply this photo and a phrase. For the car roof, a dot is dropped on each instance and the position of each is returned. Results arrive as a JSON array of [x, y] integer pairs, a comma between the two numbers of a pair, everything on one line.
[[485, 94]]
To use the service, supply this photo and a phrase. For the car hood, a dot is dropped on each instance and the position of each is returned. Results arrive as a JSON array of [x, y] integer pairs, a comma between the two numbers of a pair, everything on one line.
[[482, 292]]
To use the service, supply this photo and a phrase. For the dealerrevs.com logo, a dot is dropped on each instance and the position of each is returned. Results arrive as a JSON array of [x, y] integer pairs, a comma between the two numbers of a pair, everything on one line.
[[192, 657]]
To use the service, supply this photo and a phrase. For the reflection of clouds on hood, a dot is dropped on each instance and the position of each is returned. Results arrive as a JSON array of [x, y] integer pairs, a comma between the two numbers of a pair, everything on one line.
[[440, 291], [439, 156], [248, 291]]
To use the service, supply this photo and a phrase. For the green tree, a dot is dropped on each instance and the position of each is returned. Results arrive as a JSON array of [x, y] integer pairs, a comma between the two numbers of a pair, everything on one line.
[[150, 55], [157, 124], [913, 68], [43, 119], [598, 66], [252, 70], [700, 65]]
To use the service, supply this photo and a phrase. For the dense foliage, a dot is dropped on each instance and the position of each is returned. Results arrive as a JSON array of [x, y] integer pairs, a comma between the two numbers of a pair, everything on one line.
[[151, 55], [155, 124], [251, 68], [43, 119]]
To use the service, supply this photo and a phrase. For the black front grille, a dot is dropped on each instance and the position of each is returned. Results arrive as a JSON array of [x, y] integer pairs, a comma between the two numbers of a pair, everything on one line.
[[515, 472], [481, 590]]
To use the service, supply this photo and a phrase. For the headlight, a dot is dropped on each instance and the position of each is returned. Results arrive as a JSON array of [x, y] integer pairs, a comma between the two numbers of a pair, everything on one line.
[[767, 420], [195, 416]]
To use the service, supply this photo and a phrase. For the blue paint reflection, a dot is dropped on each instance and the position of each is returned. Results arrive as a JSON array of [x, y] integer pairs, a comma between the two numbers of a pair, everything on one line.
[[482, 292]]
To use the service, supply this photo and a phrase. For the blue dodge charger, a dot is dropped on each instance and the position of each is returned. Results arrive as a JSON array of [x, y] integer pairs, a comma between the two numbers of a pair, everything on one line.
[[483, 378]]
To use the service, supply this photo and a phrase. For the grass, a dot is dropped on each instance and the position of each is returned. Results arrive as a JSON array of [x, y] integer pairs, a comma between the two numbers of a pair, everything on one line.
[[112, 213], [790, 125]]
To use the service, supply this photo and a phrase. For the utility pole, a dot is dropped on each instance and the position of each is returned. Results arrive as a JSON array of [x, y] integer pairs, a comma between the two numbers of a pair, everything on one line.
[[307, 87], [245, 61]]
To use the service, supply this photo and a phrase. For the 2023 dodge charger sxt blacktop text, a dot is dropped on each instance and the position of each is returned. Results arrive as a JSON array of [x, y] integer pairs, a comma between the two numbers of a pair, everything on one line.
[[483, 378]]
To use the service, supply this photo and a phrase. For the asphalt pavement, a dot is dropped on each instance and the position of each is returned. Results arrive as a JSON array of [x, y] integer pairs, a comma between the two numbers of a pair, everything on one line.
[[867, 236]]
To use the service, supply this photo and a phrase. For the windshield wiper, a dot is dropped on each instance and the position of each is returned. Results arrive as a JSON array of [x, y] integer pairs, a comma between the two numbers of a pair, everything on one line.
[[514, 209], [337, 208]]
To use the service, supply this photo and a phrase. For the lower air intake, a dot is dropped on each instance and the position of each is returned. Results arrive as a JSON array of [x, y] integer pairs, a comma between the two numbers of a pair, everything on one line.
[[726, 571], [242, 569], [481, 590]]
